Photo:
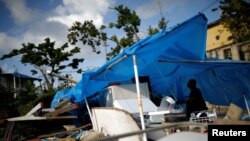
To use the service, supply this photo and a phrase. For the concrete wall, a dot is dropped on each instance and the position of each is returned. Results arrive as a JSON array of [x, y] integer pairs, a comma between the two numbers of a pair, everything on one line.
[[217, 36], [217, 43]]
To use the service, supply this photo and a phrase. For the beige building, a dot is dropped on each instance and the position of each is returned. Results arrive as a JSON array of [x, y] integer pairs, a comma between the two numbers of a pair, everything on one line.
[[219, 46]]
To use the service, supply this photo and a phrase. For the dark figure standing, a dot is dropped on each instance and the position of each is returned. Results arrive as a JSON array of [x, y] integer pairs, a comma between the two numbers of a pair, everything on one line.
[[195, 101]]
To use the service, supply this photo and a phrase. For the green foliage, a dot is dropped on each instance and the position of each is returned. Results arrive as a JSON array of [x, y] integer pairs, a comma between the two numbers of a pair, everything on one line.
[[152, 30], [161, 25], [25, 98], [6, 98], [22, 103], [87, 33], [235, 17], [46, 54], [46, 98], [26, 95], [127, 20]]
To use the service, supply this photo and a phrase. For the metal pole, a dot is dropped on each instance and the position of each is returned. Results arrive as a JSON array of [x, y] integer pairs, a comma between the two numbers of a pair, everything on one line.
[[14, 80], [111, 65], [139, 97], [89, 111], [205, 61], [246, 104]]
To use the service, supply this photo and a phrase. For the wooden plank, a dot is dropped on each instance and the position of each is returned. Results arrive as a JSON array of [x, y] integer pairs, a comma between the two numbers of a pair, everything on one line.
[[48, 110], [62, 103], [37, 107], [32, 117], [63, 132], [62, 110]]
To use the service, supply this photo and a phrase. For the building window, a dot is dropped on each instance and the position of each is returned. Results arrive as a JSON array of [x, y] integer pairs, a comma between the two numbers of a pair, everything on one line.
[[208, 54], [228, 53], [242, 54], [214, 54]]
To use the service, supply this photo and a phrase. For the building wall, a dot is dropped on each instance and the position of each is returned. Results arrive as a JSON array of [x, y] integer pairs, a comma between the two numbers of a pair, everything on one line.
[[217, 36], [218, 45], [7, 83]]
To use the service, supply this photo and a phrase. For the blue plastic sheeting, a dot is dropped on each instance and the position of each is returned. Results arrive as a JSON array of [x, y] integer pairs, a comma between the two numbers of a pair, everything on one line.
[[60, 95], [170, 59]]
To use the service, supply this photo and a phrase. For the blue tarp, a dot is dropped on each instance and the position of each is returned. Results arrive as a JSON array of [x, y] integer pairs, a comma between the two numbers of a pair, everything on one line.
[[170, 59]]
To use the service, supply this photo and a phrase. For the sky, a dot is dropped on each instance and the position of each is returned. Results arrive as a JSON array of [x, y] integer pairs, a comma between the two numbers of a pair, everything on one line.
[[23, 21]]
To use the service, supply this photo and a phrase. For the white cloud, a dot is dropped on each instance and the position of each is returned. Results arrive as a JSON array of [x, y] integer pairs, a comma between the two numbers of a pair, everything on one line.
[[176, 11], [20, 13], [55, 24], [148, 10], [157, 7], [80, 10], [8, 43], [38, 32]]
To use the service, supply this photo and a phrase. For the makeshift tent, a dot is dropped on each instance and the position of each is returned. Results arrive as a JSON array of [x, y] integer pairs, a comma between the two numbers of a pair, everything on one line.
[[170, 59]]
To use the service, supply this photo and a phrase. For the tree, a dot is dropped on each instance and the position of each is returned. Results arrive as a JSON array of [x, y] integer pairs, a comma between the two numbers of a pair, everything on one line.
[[25, 98], [6, 99], [23, 103], [162, 24], [235, 17], [46, 55], [127, 20]]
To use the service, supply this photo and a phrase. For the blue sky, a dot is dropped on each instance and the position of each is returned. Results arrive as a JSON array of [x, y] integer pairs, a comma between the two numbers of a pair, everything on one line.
[[25, 21]]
